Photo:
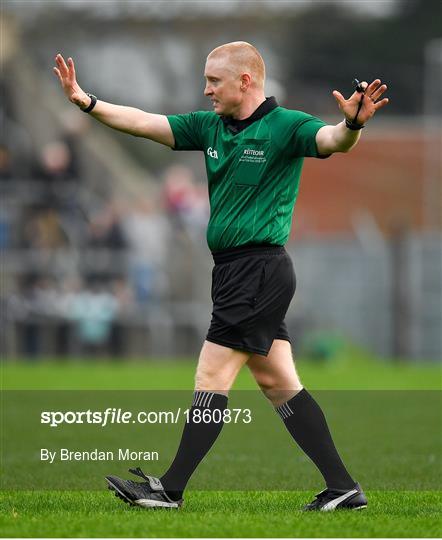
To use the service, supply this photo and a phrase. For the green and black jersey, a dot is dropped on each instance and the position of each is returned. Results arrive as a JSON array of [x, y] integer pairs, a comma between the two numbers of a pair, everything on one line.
[[253, 169]]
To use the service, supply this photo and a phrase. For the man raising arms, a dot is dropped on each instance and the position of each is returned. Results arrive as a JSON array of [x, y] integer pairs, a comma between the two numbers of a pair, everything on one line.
[[254, 151]]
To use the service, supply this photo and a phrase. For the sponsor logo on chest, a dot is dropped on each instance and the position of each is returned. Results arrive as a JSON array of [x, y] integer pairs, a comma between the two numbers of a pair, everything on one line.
[[251, 152], [250, 155]]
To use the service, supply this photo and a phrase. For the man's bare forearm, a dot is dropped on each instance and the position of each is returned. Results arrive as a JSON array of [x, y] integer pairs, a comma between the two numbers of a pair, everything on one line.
[[339, 138], [344, 139], [133, 121], [127, 119]]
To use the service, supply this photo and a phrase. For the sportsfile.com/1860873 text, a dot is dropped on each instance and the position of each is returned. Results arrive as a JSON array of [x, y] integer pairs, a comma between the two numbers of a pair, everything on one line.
[[113, 415]]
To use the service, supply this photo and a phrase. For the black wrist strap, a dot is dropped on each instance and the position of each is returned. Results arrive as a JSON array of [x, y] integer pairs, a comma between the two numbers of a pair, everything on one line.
[[92, 103], [352, 125]]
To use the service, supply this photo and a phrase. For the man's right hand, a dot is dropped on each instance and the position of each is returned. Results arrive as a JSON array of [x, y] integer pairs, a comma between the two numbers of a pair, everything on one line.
[[66, 76]]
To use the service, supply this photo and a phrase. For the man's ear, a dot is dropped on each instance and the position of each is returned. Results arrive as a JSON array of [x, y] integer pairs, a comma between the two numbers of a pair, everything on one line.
[[246, 80]]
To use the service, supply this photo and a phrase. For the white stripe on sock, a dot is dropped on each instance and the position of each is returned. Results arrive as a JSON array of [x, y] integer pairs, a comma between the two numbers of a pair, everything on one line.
[[197, 398], [284, 410], [202, 398], [206, 399], [210, 399]]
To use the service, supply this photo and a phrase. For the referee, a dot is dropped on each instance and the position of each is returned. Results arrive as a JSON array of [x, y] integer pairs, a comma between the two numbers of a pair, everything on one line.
[[254, 151]]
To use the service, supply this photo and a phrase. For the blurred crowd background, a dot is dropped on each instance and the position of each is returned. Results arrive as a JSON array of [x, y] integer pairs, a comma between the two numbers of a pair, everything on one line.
[[103, 235]]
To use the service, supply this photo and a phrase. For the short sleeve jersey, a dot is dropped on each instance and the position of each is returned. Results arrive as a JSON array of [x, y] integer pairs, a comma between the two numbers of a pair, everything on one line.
[[253, 176]]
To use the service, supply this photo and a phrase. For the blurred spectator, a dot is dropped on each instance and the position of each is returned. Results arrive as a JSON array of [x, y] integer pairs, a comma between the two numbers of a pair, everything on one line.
[[69, 313], [186, 201], [5, 229], [16, 143], [200, 209], [75, 127], [105, 229], [106, 238], [35, 305], [178, 189], [6, 173], [94, 311], [57, 170], [148, 234], [56, 163], [6, 170], [123, 294], [43, 230]]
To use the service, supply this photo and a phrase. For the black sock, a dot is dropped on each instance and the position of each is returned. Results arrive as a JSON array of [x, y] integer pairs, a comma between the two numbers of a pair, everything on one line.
[[196, 441], [306, 423]]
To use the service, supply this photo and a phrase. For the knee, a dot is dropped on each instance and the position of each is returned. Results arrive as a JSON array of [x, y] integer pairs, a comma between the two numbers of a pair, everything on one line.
[[277, 396], [266, 382], [277, 391], [211, 380]]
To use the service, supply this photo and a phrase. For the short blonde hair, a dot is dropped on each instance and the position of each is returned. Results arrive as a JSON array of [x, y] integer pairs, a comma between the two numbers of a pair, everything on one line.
[[243, 57]]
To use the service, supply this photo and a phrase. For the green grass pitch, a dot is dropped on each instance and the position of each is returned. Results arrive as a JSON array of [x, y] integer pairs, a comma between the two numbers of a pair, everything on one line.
[[217, 514], [391, 513]]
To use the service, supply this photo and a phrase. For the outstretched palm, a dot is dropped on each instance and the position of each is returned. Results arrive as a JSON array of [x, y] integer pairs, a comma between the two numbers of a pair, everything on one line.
[[66, 75], [371, 102]]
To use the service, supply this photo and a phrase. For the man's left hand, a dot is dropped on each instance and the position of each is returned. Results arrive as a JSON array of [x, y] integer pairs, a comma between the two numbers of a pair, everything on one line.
[[370, 104]]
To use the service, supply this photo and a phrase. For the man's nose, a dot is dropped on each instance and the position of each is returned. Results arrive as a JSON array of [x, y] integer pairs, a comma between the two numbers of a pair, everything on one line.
[[207, 90]]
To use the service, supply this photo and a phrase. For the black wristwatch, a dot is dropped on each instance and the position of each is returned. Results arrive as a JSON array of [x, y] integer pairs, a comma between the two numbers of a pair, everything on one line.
[[92, 103]]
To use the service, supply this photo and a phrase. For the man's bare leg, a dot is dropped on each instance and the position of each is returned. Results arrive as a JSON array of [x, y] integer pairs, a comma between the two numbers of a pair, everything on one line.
[[218, 367]]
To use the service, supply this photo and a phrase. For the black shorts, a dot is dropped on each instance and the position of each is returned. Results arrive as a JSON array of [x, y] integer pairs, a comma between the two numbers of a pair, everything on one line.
[[252, 287]]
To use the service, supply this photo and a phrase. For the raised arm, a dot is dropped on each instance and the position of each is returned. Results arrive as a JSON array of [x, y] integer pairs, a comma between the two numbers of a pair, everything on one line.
[[127, 119], [341, 138]]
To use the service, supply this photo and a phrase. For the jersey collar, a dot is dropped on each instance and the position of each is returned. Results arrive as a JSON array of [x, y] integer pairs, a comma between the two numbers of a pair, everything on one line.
[[235, 126]]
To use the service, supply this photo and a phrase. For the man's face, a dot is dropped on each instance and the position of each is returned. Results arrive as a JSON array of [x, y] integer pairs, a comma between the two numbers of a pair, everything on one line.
[[223, 86]]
